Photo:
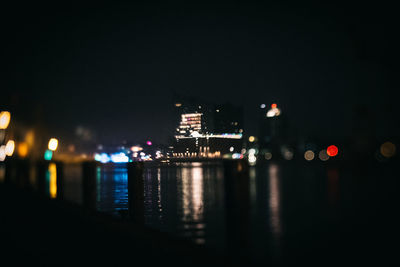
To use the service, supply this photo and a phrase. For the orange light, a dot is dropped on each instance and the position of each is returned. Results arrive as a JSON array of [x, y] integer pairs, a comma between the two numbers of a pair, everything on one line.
[[274, 105], [332, 150], [22, 149]]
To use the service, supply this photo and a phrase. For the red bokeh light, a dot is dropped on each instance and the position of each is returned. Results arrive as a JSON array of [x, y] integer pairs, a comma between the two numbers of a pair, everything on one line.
[[274, 105], [332, 150]]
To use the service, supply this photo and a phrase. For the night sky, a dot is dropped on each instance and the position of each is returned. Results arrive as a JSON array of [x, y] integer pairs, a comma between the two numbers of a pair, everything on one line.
[[113, 68]]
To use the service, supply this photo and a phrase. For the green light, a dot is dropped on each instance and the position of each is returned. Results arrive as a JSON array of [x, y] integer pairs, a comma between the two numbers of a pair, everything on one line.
[[48, 154]]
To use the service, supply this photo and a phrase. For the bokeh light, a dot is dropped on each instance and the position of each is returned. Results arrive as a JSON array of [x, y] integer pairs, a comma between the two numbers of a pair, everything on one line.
[[323, 155], [10, 148], [309, 155], [48, 154], [288, 154], [5, 118], [252, 139], [22, 149], [332, 151], [53, 144], [2, 153], [388, 149]]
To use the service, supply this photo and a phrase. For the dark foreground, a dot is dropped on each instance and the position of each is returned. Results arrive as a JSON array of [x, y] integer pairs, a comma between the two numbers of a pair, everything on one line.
[[37, 231]]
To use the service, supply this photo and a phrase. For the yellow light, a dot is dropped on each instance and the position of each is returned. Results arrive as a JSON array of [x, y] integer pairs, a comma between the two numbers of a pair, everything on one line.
[[53, 180], [53, 143], [251, 139], [5, 118], [178, 104], [10, 148], [22, 149], [388, 149]]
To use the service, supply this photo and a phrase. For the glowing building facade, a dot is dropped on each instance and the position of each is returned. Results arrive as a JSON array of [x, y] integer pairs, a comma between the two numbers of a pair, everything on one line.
[[207, 130]]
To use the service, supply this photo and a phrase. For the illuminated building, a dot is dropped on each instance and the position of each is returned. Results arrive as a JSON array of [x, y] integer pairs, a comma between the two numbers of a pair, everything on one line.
[[272, 130], [207, 130], [190, 123]]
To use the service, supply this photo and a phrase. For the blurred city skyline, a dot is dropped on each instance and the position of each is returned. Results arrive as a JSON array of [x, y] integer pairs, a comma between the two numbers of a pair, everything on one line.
[[112, 69]]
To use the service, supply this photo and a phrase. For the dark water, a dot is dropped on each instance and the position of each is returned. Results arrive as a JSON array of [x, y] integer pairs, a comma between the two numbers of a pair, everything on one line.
[[292, 209]]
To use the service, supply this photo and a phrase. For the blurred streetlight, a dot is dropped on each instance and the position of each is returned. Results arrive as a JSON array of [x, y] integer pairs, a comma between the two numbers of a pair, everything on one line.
[[53, 143], [5, 118]]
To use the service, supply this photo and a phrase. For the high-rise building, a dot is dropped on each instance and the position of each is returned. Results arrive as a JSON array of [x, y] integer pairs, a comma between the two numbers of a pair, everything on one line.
[[228, 119], [207, 130], [271, 129]]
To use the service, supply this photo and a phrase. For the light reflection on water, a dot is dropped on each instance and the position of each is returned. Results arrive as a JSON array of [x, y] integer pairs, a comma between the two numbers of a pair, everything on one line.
[[287, 202], [286, 205]]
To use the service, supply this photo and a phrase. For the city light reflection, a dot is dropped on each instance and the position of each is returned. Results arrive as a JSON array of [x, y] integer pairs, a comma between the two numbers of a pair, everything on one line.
[[274, 200], [52, 180], [192, 189]]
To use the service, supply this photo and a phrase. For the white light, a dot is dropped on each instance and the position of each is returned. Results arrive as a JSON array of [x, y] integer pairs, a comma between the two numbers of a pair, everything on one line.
[[231, 149], [53, 143], [224, 135], [252, 159], [9, 149], [262, 106], [2, 153], [273, 112], [195, 134], [252, 151], [97, 157], [104, 158], [119, 158], [5, 118]]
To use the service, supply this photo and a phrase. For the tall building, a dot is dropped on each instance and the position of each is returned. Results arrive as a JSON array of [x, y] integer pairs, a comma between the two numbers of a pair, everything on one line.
[[272, 129], [207, 130], [228, 119]]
